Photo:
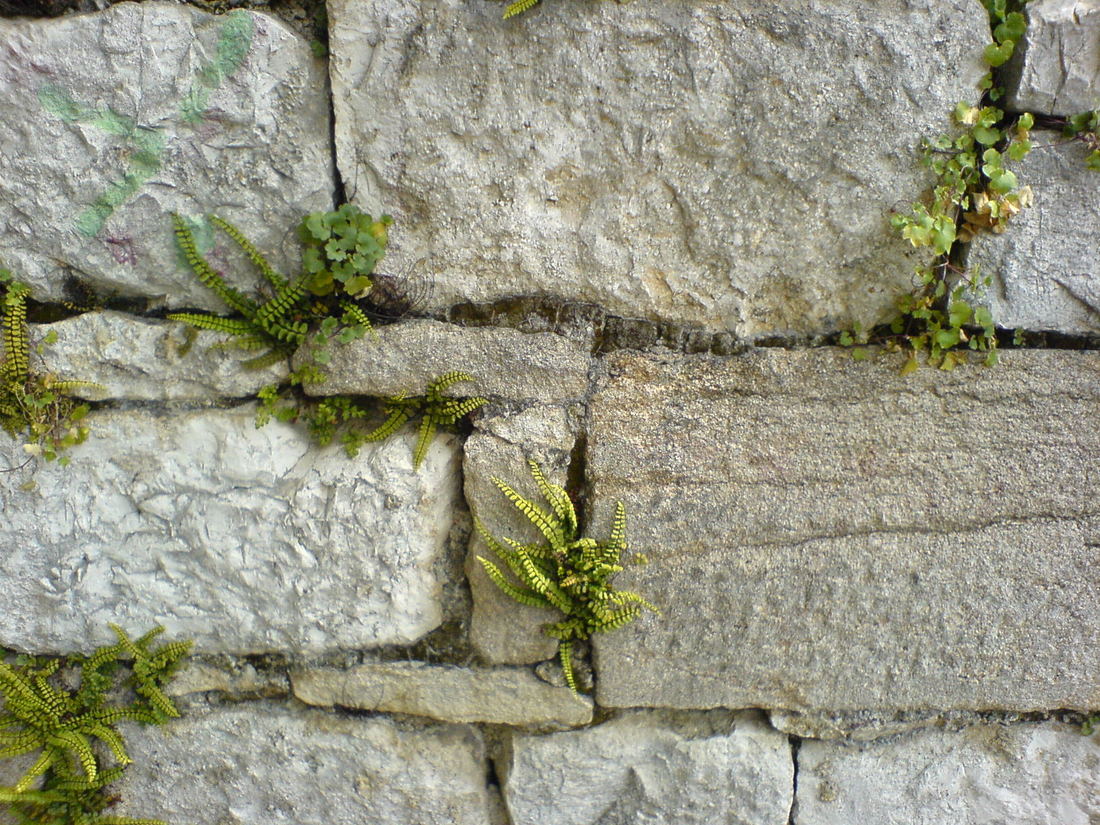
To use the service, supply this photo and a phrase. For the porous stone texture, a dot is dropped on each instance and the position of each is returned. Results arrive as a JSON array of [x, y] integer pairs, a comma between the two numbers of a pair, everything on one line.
[[723, 163], [1024, 774], [246, 540], [649, 767], [502, 631], [267, 764], [830, 535], [1056, 67], [405, 357], [111, 121], [148, 360], [237, 680], [1046, 275], [502, 696]]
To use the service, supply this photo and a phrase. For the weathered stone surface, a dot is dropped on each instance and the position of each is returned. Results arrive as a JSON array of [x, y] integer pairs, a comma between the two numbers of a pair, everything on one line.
[[407, 356], [825, 534], [239, 680], [113, 120], [646, 767], [244, 539], [1046, 275], [147, 360], [502, 631], [1025, 774], [1056, 68], [725, 163], [503, 696], [264, 764]]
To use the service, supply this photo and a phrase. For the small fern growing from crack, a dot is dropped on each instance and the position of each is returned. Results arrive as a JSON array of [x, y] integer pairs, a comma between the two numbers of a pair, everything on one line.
[[324, 418], [35, 407], [568, 573], [341, 249], [67, 782]]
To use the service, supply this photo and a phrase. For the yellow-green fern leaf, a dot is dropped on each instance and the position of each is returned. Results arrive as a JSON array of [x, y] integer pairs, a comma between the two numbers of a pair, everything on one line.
[[205, 273], [519, 594], [258, 260], [542, 520], [558, 498], [565, 653], [16, 363], [216, 323], [518, 7], [618, 529]]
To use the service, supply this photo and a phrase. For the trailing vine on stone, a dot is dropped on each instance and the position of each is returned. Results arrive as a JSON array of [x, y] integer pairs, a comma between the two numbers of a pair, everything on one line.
[[36, 407], [67, 784], [568, 573]]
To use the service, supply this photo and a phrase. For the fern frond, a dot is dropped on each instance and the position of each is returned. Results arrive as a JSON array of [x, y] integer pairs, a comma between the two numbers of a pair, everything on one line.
[[399, 413], [617, 620], [519, 594], [40, 766], [559, 500], [205, 273], [262, 362], [445, 381], [16, 364], [455, 408], [518, 7], [565, 653], [228, 326], [542, 520], [617, 540], [79, 746], [275, 313], [425, 433], [258, 260]]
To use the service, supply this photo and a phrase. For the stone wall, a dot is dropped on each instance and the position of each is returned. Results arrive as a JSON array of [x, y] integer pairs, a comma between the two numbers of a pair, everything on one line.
[[637, 225]]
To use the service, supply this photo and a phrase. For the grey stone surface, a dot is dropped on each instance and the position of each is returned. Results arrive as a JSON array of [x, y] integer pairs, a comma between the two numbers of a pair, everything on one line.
[[714, 769], [1024, 774], [407, 356], [723, 163], [502, 631], [147, 360], [502, 696], [235, 680], [1056, 69], [265, 764], [1046, 275], [246, 540], [825, 534], [111, 121]]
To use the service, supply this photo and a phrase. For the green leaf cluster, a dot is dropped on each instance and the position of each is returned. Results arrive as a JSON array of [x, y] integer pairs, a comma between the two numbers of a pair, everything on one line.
[[1085, 127], [80, 751], [326, 417], [36, 407], [351, 248], [566, 572]]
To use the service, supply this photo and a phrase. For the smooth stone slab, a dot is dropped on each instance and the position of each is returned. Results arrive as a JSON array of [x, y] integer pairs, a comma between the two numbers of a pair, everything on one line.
[[1024, 774], [726, 163], [501, 630], [407, 356], [246, 540], [142, 359], [110, 121], [266, 764], [1046, 275], [716, 769], [499, 696], [824, 534], [1056, 69]]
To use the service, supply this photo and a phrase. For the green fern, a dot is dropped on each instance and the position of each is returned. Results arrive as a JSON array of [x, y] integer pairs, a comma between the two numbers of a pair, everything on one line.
[[567, 573], [67, 782], [518, 7], [36, 407]]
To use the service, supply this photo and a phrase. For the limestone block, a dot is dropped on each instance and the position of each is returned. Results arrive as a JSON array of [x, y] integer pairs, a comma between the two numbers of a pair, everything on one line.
[[825, 534], [646, 767], [1056, 69], [502, 631], [1045, 270], [236, 680], [726, 163], [1026, 774], [499, 696], [246, 540], [265, 764], [405, 357], [147, 360], [111, 121]]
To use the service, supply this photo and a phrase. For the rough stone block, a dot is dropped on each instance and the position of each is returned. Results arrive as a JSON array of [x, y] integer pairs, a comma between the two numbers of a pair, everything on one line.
[[825, 534], [247, 540], [648, 767], [502, 631], [1024, 774], [111, 121], [405, 357], [1046, 275], [727, 163], [499, 696], [142, 359], [266, 764], [1056, 69]]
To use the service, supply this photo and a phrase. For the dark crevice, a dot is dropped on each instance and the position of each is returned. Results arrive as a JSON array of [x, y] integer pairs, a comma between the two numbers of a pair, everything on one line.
[[796, 745]]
